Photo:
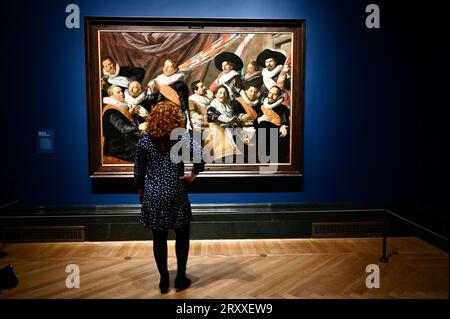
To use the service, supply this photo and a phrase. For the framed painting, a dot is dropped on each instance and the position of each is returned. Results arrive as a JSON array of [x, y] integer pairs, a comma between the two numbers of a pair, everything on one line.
[[239, 84]]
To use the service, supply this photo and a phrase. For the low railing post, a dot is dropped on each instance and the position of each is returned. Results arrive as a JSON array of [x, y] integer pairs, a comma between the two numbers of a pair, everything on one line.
[[384, 258]]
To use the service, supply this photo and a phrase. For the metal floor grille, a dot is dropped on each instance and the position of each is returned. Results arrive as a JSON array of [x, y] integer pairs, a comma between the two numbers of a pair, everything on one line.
[[38, 234], [347, 229]]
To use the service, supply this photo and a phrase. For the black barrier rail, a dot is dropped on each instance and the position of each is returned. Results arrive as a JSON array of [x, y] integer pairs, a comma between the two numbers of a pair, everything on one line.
[[384, 258], [439, 240]]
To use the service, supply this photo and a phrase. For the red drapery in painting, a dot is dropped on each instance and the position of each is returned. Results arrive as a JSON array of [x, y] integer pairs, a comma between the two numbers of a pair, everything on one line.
[[149, 50]]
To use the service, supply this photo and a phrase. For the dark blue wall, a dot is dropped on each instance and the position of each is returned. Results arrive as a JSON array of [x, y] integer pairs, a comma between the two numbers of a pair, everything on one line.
[[376, 104]]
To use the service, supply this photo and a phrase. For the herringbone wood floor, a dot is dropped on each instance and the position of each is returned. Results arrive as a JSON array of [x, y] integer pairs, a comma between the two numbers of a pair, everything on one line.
[[273, 268]]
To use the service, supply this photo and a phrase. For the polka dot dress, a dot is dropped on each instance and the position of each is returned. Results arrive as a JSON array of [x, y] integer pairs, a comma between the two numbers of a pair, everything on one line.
[[166, 204]]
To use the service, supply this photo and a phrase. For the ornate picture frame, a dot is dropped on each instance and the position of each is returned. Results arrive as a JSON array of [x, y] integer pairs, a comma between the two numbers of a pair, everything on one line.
[[138, 48]]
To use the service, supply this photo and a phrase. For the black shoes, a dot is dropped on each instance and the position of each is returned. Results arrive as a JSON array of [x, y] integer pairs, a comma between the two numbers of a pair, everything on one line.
[[182, 283], [164, 284], [7, 278]]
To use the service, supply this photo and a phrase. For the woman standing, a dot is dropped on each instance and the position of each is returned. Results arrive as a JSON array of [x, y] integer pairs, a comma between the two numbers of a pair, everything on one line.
[[161, 184]]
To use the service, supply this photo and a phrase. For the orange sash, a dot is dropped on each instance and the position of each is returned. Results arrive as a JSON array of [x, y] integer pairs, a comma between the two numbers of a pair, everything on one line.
[[248, 108], [170, 94], [271, 113]]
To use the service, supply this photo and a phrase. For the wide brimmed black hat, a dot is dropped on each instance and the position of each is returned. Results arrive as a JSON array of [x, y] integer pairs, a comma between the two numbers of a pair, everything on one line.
[[230, 57], [267, 54]]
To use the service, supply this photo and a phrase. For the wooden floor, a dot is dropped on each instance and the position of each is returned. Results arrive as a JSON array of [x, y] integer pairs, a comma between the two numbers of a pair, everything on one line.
[[278, 268]]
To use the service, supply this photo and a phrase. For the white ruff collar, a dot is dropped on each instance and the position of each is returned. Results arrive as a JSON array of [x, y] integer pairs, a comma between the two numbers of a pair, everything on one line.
[[251, 76], [246, 99], [168, 80], [267, 105], [270, 74], [112, 75], [227, 77], [113, 101], [135, 100], [199, 99], [222, 108]]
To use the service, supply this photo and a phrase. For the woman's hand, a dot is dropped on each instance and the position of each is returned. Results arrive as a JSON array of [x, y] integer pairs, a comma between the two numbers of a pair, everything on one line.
[[188, 178], [283, 130], [143, 126]]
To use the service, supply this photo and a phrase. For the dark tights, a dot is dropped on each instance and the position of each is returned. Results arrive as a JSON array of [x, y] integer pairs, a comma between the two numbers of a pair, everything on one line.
[[181, 249]]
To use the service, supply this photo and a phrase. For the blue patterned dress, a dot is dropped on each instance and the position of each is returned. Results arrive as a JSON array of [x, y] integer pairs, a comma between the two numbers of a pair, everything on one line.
[[166, 204]]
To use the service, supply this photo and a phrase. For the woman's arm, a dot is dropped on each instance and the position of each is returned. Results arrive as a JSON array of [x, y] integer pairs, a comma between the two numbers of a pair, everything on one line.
[[140, 167], [197, 159]]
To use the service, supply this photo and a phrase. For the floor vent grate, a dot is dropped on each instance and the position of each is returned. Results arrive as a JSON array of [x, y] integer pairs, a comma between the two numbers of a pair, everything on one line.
[[39, 234], [347, 229]]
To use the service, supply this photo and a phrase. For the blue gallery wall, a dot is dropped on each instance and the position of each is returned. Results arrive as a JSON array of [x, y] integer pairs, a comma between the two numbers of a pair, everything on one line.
[[376, 117]]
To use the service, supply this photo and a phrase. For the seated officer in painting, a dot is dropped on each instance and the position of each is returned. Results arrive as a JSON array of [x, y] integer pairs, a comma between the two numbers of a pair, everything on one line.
[[120, 131], [137, 98], [198, 103], [220, 142], [272, 113], [244, 107]]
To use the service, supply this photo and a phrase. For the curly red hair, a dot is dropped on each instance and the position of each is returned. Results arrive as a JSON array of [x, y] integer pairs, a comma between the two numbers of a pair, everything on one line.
[[164, 117]]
